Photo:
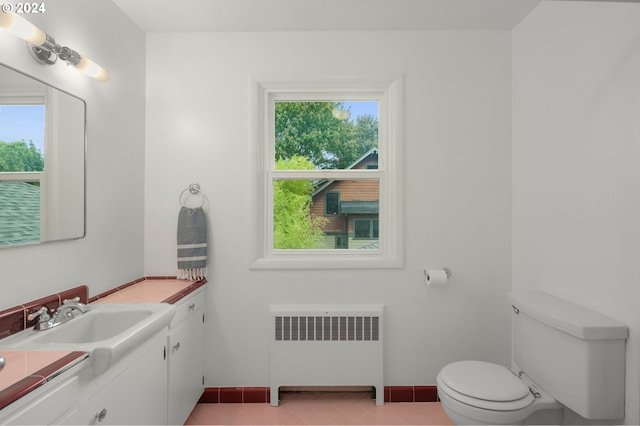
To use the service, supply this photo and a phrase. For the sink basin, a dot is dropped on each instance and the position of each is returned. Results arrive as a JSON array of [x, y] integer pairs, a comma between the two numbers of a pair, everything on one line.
[[107, 332], [92, 327]]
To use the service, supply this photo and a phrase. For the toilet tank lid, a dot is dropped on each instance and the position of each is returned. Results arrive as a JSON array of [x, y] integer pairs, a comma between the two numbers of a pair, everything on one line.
[[568, 317]]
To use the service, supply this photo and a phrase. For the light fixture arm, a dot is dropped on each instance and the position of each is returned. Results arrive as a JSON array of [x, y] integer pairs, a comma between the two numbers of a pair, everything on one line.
[[48, 52], [70, 56]]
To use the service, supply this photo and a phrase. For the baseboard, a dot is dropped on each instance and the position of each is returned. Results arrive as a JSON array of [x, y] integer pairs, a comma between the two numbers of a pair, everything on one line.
[[257, 394]]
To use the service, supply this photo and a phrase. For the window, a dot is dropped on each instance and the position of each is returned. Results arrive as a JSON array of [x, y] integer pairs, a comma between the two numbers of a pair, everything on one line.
[[331, 203], [325, 175], [22, 162], [341, 241], [365, 228]]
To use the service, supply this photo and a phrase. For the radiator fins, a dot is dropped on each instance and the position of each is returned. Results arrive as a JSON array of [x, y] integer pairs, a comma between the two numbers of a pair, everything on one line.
[[323, 328]]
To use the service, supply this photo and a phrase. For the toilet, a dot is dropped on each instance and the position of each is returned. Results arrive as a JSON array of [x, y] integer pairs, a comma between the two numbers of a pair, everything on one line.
[[563, 355]]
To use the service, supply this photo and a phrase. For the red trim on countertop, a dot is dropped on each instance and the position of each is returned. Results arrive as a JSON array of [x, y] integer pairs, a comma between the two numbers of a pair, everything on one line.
[[185, 291], [22, 387]]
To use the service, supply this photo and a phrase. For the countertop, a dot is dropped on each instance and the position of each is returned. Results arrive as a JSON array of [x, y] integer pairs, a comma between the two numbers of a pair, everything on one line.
[[150, 290], [26, 370]]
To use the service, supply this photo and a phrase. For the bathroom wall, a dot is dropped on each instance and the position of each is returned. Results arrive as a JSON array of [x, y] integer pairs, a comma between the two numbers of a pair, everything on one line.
[[457, 186], [112, 251], [576, 140]]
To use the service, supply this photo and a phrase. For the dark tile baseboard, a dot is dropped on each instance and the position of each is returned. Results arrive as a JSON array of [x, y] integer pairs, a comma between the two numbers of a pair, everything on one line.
[[262, 395], [235, 395]]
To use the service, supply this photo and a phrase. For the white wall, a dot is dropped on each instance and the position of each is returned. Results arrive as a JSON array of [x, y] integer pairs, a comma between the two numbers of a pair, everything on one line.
[[576, 147], [457, 213], [112, 252]]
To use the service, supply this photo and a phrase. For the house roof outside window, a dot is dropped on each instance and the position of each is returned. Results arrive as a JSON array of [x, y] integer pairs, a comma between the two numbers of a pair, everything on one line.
[[20, 215]]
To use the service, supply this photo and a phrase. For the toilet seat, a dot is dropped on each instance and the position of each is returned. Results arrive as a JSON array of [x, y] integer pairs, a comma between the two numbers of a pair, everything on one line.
[[484, 385]]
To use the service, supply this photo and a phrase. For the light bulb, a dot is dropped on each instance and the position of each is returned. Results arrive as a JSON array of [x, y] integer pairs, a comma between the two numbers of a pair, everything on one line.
[[92, 69], [22, 28]]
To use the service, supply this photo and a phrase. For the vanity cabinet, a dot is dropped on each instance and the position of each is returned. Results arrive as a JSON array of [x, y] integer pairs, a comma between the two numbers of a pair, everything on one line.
[[47, 403], [156, 382], [185, 347], [133, 395]]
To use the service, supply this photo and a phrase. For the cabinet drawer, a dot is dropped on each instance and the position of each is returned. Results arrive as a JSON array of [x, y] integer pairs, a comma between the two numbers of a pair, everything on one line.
[[188, 306]]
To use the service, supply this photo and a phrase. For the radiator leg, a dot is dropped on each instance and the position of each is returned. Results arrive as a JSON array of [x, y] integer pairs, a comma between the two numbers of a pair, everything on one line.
[[275, 395], [379, 394]]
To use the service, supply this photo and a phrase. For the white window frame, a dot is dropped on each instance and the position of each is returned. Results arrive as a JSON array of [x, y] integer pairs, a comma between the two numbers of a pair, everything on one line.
[[265, 91]]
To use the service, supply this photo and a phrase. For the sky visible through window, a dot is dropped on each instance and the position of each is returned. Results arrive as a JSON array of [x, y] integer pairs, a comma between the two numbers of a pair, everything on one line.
[[361, 108], [22, 122]]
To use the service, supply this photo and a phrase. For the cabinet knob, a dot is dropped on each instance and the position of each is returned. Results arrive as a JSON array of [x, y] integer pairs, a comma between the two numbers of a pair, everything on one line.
[[101, 415], [192, 307], [176, 346]]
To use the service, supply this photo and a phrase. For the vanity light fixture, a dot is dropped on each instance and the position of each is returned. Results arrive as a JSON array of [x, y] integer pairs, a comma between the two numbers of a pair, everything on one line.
[[45, 49]]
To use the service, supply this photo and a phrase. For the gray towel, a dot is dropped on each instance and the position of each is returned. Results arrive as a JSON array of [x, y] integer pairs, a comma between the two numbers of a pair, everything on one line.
[[192, 244]]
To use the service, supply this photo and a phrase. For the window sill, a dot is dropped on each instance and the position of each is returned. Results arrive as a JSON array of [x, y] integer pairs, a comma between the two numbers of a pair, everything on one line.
[[316, 261]]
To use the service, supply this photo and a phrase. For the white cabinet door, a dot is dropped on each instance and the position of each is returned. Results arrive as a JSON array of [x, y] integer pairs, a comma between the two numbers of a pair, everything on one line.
[[136, 396], [186, 365]]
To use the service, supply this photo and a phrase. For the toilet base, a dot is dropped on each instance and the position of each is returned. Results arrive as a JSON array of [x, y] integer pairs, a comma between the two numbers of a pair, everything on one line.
[[546, 417], [545, 411]]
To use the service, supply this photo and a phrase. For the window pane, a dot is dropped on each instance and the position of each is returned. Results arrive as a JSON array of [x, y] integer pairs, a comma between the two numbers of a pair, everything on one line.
[[331, 203], [300, 220], [329, 135], [362, 228], [22, 134], [20, 222], [22, 138]]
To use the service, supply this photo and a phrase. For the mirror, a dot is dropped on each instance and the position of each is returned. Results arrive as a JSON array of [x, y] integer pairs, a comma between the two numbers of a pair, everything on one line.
[[42, 161]]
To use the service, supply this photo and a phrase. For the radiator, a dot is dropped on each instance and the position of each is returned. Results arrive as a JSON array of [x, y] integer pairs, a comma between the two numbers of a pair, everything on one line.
[[326, 345]]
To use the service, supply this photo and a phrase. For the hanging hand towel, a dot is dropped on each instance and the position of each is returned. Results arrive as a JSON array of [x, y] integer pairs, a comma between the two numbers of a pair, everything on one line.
[[192, 244]]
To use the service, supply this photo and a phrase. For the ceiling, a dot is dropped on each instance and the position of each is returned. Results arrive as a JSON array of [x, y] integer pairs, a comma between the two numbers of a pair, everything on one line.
[[324, 15]]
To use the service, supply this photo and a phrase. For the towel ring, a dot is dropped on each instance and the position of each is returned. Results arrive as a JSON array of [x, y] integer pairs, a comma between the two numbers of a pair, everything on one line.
[[193, 188]]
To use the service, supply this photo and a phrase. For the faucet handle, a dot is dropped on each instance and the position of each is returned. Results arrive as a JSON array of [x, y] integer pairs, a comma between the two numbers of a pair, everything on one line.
[[43, 313], [76, 302]]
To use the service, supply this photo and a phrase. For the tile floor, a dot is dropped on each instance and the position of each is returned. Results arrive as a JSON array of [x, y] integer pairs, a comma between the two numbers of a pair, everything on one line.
[[321, 408]]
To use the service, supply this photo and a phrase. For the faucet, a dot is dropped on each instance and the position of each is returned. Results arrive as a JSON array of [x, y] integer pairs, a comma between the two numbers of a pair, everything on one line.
[[69, 305], [64, 313]]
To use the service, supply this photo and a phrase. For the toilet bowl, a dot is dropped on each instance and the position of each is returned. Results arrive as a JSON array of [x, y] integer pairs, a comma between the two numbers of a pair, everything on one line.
[[566, 356], [477, 392]]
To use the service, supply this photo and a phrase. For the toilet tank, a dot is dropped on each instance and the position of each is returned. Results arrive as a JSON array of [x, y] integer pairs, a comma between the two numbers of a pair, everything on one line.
[[575, 354]]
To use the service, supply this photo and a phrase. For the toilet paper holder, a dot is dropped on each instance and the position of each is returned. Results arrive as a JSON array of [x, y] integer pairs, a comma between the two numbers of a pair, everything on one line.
[[446, 271]]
